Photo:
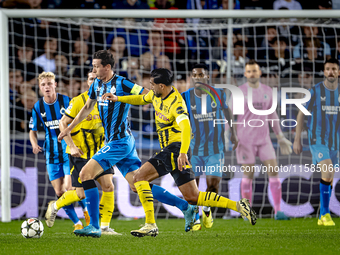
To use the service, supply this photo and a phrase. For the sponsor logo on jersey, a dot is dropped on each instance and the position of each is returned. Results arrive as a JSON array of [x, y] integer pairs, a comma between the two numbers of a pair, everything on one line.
[[62, 111], [161, 116], [113, 90], [53, 124]]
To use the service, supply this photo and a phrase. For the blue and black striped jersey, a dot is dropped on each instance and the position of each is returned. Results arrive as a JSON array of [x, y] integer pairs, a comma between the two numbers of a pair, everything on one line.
[[114, 114], [49, 115], [208, 140], [323, 124]]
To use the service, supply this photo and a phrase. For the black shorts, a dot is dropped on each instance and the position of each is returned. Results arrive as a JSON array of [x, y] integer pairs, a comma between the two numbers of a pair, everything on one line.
[[76, 164], [165, 162]]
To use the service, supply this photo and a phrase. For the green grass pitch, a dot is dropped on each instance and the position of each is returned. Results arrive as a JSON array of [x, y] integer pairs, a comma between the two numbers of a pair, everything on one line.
[[298, 236]]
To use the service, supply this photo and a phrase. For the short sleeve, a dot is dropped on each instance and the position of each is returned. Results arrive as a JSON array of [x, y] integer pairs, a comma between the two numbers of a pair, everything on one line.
[[180, 112], [74, 107], [224, 99], [148, 97], [34, 121], [92, 91], [131, 88], [309, 105]]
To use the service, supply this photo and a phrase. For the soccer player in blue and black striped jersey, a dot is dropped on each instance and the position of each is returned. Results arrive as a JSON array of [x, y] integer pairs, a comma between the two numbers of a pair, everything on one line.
[[47, 112], [208, 143], [120, 149], [323, 133]]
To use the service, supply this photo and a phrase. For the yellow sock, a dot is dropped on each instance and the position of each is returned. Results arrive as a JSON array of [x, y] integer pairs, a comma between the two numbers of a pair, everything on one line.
[[69, 197], [106, 207], [146, 198], [212, 199]]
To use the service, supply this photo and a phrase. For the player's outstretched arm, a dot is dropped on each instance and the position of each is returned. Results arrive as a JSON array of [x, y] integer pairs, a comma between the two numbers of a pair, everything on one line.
[[88, 107], [297, 147], [75, 151], [34, 141], [134, 99], [229, 117]]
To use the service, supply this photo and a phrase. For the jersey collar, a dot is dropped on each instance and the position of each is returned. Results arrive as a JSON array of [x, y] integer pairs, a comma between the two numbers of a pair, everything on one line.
[[172, 91]]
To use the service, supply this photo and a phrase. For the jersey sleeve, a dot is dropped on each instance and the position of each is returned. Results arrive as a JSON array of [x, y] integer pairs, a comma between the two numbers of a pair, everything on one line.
[[224, 99], [180, 112], [34, 121], [92, 91], [309, 105], [148, 97], [131, 88], [74, 108]]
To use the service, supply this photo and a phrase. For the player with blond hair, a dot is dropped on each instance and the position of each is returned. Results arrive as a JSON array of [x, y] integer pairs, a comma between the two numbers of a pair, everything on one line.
[[47, 112]]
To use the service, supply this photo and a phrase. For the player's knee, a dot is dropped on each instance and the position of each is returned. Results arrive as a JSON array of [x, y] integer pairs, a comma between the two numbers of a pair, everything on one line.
[[68, 187], [85, 175], [80, 194], [108, 187], [138, 177], [327, 179], [59, 193], [133, 189]]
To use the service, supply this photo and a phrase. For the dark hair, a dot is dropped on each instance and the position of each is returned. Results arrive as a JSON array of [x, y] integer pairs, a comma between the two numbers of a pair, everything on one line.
[[238, 43], [204, 66], [105, 56], [280, 39], [331, 61], [162, 75], [252, 62]]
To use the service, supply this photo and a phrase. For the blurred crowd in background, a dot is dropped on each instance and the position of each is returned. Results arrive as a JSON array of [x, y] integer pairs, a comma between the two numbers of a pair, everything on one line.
[[288, 54]]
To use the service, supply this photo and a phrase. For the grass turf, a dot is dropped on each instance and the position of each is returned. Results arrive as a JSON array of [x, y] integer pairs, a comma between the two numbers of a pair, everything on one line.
[[298, 236]]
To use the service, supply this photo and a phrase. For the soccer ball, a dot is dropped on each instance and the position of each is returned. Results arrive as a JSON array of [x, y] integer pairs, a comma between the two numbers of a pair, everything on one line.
[[32, 228]]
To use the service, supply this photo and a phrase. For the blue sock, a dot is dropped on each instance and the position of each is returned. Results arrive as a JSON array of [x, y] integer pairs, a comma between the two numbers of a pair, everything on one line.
[[325, 194], [166, 197], [71, 213], [197, 217], [82, 203], [92, 201]]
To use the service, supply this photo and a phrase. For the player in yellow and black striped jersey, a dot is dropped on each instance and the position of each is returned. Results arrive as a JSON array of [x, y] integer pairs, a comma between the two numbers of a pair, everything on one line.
[[86, 139], [171, 117], [88, 135], [168, 113]]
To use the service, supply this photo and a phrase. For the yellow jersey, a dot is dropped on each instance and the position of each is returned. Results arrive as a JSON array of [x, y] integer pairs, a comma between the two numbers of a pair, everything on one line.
[[168, 112], [88, 135]]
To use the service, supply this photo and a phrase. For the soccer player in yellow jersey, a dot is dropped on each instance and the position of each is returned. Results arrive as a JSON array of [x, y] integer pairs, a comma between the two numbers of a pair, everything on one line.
[[85, 140], [173, 127]]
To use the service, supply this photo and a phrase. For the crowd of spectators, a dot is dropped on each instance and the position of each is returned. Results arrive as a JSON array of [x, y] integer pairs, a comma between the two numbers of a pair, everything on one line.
[[289, 55], [170, 4]]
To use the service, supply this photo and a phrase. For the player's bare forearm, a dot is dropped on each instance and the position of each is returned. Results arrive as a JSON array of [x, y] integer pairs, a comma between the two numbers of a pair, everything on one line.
[[84, 112], [34, 141], [299, 127], [33, 137], [297, 147], [63, 124], [230, 117]]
